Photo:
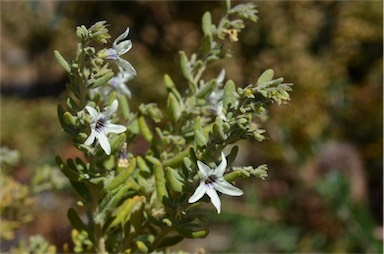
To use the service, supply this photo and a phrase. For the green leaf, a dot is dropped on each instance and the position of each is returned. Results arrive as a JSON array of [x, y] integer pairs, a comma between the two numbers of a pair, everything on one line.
[[143, 165], [76, 222], [70, 173], [144, 129], [230, 177], [173, 108], [122, 177], [265, 77], [66, 127], [174, 180], [141, 246], [207, 44], [161, 190], [229, 98], [170, 241], [207, 23], [124, 106], [69, 119], [185, 69], [72, 104], [171, 87], [101, 81], [110, 202], [124, 211], [218, 128], [60, 59], [200, 139], [117, 141], [188, 232], [137, 216], [81, 188], [228, 4], [232, 154], [206, 89], [176, 160]]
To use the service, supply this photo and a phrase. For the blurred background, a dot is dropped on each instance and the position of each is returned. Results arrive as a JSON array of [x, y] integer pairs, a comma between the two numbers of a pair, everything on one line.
[[324, 192]]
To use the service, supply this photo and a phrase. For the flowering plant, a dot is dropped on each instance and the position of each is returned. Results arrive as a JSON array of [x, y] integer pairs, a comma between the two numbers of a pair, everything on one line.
[[146, 202]]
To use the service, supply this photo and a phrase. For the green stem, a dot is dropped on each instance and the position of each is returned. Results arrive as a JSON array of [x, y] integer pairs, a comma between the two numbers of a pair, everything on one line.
[[99, 237], [160, 237]]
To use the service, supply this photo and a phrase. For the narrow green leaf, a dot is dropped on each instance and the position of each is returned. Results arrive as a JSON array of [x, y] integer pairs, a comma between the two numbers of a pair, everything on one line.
[[82, 189], [75, 220], [161, 189], [144, 129], [171, 87], [123, 212], [174, 180], [143, 165], [230, 177], [124, 106], [232, 154], [218, 128], [206, 89], [173, 108], [175, 161], [72, 104], [67, 171], [101, 81], [60, 59], [66, 127], [191, 233], [170, 241], [207, 44], [185, 69], [122, 177], [110, 202], [228, 4]]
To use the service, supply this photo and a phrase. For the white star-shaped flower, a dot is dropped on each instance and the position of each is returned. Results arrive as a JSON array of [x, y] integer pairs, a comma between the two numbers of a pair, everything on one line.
[[101, 125], [120, 47], [212, 180]]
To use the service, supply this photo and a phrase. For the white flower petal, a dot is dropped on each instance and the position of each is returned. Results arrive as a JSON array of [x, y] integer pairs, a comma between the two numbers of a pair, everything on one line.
[[110, 54], [114, 128], [219, 171], [122, 88], [227, 188], [127, 67], [123, 47], [104, 143], [199, 193], [91, 138], [112, 109], [92, 112], [121, 37], [221, 77], [205, 171], [214, 199]]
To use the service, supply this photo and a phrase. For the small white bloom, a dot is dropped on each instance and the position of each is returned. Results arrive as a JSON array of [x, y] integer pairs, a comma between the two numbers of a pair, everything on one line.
[[216, 97], [212, 180], [119, 81], [101, 125], [120, 47]]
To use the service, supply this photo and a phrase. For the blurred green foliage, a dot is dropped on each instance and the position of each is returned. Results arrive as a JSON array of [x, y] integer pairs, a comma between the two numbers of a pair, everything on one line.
[[331, 50]]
